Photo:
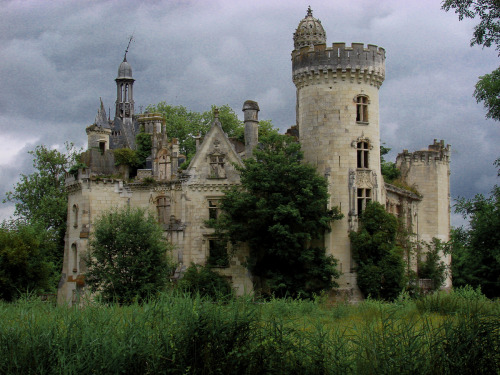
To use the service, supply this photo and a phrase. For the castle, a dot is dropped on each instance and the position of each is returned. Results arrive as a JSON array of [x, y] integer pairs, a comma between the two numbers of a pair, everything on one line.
[[337, 124]]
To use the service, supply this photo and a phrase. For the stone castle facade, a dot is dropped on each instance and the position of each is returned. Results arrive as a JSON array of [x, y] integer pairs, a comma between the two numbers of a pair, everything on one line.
[[337, 124]]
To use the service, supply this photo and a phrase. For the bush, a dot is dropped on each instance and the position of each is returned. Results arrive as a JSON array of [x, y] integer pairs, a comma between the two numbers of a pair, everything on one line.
[[128, 258], [204, 281]]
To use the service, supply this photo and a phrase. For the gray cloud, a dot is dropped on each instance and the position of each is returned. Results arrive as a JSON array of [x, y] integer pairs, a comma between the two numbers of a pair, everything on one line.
[[59, 57]]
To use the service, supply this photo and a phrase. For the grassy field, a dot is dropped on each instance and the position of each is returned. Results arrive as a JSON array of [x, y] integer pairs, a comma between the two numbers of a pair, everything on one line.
[[457, 333]]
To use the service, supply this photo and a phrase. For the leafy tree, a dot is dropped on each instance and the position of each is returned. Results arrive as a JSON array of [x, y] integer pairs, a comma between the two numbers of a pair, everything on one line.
[[488, 11], [486, 33], [281, 212], [380, 268], [488, 91], [40, 198], [26, 262], [389, 170], [184, 124], [128, 258], [476, 249]]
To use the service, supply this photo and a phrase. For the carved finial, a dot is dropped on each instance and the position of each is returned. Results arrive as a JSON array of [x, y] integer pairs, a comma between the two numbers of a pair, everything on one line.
[[309, 11], [216, 113], [126, 51]]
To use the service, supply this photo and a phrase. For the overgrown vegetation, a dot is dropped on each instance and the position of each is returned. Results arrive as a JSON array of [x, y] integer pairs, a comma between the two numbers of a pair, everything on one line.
[[455, 333], [128, 259], [281, 213], [203, 281], [380, 268], [476, 248]]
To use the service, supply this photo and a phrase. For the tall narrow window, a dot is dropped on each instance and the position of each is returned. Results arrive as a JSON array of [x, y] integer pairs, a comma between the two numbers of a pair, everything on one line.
[[75, 216], [213, 208], [363, 148], [74, 250], [364, 196], [362, 109], [163, 208]]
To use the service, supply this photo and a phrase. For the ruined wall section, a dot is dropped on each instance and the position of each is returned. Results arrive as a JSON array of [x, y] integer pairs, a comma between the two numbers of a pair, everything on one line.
[[329, 81], [429, 172]]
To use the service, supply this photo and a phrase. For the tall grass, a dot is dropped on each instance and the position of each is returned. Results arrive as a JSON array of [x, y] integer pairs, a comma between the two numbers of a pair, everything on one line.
[[177, 334]]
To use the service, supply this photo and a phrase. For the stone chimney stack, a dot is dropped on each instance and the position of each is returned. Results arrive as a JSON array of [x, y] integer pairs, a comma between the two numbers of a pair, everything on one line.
[[251, 118]]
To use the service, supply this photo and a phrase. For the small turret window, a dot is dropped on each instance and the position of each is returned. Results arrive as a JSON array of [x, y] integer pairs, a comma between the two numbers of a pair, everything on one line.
[[362, 108]]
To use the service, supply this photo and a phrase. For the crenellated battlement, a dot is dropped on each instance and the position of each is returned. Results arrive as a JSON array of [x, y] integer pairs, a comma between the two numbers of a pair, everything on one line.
[[435, 152], [318, 64]]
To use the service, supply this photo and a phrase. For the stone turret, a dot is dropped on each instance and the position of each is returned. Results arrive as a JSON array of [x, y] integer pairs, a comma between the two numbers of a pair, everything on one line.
[[338, 125], [251, 118]]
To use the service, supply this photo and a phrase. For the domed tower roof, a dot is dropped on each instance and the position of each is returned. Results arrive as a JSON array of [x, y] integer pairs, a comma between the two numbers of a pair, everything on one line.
[[125, 70], [309, 32]]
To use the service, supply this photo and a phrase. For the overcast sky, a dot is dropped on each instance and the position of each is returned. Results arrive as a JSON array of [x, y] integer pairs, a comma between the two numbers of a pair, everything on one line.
[[58, 57]]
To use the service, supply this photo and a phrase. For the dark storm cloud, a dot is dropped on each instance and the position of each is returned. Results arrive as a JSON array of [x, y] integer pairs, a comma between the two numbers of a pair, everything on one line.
[[59, 57]]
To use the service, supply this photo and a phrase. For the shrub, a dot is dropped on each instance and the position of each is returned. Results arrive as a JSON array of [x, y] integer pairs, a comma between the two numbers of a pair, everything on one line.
[[204, 281]]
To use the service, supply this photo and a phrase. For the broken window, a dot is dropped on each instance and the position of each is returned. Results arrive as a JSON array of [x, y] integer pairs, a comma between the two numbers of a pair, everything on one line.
[[217, 166], [213, 209], [362, 108], [364, 196], [163, 209], [362, 148], [217, 253]]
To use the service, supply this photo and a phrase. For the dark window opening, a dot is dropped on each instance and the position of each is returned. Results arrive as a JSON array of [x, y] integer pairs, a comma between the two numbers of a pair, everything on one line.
[[364, 196], [213, 209], [217, 253]]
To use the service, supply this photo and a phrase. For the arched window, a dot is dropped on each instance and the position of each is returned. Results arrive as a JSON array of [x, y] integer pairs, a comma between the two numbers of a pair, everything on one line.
[[362, 108]]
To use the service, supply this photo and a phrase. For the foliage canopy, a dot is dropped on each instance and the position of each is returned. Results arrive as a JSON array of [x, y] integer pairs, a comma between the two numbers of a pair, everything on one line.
[[128, 258], [281, 212]]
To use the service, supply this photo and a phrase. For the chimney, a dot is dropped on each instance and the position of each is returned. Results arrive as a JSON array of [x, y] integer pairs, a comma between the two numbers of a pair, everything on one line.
[[251, 119]]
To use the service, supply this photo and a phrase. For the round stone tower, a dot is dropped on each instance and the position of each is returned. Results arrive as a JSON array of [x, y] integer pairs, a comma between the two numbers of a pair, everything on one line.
[[338, 121]]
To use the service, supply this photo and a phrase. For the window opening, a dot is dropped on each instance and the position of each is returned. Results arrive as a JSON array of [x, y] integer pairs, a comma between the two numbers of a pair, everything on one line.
[[217, 253], [362, 109], [213, 209], [163, 208], [217, 166], [364, 196], [363, 149], [75, 257]]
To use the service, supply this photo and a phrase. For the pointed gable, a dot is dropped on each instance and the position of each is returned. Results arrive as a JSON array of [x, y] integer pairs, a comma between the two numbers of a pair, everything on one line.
[[215, 158]]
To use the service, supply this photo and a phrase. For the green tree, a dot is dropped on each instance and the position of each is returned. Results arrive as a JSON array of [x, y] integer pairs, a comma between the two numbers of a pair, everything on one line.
[[380, 267], [26, 263], [128, 259], [389, 170], [281, 212], [476, 249], [40, 198], [486, 33], [184, 124], [432, 267], [488, 92]]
